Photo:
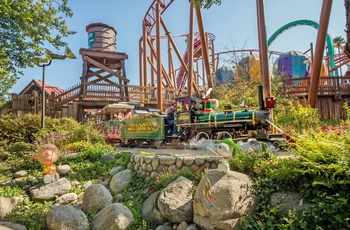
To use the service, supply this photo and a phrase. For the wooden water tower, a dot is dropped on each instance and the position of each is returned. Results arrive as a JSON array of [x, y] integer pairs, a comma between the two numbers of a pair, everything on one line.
[[103, 78]]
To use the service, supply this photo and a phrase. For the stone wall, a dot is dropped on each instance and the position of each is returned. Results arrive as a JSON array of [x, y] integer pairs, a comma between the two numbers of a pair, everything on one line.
[[152, 166]]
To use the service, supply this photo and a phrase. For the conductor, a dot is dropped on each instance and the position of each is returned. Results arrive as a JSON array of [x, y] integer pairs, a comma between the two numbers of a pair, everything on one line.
[[170, 118]]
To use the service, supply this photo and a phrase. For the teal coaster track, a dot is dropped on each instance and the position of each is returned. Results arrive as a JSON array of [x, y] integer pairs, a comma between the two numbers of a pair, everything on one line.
[[329, 41]]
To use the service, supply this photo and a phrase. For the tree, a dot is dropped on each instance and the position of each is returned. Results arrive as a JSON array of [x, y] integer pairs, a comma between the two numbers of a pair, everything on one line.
[[25, 27], [206, 3]]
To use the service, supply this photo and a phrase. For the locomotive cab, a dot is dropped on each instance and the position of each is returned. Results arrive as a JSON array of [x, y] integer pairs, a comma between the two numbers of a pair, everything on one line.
[[186, 109]]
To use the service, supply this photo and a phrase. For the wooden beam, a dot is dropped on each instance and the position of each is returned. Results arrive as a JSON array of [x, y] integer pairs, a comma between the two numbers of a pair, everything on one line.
[[105, 68]]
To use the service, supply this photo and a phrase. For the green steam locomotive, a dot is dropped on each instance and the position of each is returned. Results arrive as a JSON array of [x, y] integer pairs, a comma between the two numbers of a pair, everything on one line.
[[195, 119]]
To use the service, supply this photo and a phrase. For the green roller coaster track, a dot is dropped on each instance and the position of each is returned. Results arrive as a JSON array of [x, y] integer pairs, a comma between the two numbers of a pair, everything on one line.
[[330, 45]]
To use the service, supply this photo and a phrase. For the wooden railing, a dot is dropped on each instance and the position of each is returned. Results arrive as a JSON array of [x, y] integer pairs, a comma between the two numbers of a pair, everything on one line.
[[326, 86], [67, 96], [297, 87]]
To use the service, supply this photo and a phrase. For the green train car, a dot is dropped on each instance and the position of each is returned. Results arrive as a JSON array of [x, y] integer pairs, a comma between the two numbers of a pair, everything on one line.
[[144, 129]]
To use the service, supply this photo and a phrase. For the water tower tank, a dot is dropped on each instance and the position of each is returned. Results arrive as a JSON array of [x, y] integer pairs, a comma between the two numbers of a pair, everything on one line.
[[101, 37]]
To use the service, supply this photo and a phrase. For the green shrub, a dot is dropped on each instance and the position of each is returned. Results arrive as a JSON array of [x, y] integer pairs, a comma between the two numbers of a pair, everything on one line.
[[18, 128], [298, 119], [74, 147]]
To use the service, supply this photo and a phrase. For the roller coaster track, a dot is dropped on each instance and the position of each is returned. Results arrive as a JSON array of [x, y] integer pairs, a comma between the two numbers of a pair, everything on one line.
[[150, 18], [305, 22]]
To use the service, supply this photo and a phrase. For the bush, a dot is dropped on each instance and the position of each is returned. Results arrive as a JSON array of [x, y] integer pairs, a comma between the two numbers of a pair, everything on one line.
[[298, 119]]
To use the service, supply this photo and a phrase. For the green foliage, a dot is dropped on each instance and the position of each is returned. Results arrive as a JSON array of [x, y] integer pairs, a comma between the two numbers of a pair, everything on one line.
[[18, 129], [245, 160], [234, 94], [166, 177], [284, 172], [298, 118], [60, 132], [206, 3], [31, 214], [319, 171], [26, 26], [74, 147], [133, 198], [326, 157]]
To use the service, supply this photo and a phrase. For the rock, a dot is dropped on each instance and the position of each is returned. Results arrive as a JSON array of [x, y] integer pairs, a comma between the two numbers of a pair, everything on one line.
[[118, 197], [107, 158], [42, 192], [150, 210], [115, 170], [182, 226], [175, 201], [21, 173], [222, 199], [87, 184], [104, 183], [11, 226], [120, 180], [95, 197], [114, 216], [67, 198], [286, 201], [11, 184], [164, 227], [63, 169], [66, 217], [7, 204]]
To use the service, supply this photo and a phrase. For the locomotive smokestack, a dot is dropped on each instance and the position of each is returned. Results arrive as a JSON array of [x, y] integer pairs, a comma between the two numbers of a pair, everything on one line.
[[261, 97]]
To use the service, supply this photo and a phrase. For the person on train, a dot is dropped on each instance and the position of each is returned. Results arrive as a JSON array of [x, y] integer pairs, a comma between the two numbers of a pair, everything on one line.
[[170, 118], [128, 115]]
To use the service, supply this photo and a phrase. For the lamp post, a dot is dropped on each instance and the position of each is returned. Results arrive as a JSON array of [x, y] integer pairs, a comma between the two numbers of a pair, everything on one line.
[[43, 95], [68, 54]]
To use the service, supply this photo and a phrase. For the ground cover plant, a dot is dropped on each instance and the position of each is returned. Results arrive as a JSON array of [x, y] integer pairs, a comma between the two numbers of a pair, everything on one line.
[[319, 170]]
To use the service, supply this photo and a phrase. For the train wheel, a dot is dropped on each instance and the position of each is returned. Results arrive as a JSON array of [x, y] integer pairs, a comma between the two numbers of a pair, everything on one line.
[[202, 135], [134, 143], [224, 135]]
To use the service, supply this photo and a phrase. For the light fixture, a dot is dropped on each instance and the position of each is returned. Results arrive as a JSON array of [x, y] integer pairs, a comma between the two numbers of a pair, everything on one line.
[[50, 55]]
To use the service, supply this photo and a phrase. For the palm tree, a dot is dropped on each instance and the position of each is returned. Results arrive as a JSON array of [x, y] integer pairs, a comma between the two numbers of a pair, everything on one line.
[[339, 40]]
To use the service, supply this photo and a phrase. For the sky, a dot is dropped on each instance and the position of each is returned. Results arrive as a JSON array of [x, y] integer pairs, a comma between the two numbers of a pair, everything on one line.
[[234, 24]]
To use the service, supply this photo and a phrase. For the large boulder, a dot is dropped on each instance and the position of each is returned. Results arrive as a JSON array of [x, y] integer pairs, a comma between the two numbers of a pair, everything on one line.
[[175, 201], [95, 197], [222, 199], [66, 217], [114, 216], [44, 192], [120, 180]]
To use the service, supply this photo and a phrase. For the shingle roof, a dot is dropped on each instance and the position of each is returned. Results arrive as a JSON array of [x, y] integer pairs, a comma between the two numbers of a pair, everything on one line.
[[48, 88]]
